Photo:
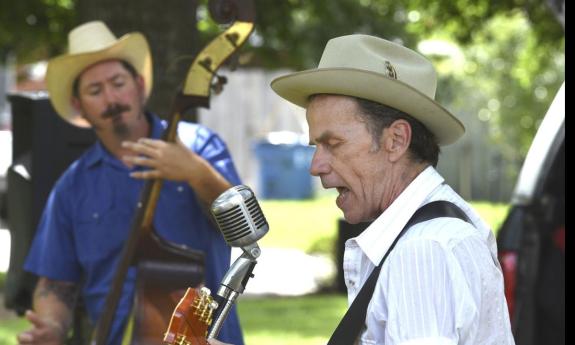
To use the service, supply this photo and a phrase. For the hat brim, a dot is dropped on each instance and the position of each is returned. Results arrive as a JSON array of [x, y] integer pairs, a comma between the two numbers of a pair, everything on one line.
[[64, 69], [298, 87]]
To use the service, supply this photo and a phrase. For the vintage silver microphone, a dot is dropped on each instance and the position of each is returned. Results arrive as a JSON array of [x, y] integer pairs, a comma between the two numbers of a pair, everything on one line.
[[240, 217], [242, 222]]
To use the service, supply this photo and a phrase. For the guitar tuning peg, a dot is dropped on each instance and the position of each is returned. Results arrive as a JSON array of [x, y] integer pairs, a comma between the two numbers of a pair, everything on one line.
[[204, 291]]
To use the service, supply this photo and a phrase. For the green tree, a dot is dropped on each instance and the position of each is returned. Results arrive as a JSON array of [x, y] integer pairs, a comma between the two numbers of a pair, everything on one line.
[[290, 33], [506, 78], [527, 72], [512, 50], [34, 29]]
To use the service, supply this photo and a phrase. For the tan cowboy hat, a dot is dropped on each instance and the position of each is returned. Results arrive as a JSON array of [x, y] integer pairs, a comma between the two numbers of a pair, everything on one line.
[[378, 70], [88, 44]]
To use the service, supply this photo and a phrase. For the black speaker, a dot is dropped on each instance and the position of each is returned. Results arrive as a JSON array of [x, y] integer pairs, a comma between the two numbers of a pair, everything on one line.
[[43, 146], [345, 231]]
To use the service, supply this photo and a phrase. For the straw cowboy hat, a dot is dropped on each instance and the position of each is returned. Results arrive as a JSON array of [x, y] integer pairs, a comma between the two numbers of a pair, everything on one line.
[[88, 44], [378, 70]]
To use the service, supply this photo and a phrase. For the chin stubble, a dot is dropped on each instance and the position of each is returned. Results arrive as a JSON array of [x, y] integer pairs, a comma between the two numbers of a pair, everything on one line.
[[121, 130]]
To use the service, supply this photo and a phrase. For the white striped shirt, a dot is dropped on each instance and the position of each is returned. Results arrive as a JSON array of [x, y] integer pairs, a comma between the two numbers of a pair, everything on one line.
[[442, 283]]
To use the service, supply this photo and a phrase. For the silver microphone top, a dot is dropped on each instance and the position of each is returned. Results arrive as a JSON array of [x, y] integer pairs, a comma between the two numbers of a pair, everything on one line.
[[239, 216]]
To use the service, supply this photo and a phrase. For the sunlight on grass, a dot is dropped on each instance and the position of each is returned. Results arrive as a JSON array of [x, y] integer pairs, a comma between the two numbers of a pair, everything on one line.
[[9, 328], [312, 225], [493, 214], [306, 320], [280, 338], [309, 225]]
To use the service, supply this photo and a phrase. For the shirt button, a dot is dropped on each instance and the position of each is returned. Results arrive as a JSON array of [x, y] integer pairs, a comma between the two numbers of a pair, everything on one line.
[[95, 215], [180, 189]]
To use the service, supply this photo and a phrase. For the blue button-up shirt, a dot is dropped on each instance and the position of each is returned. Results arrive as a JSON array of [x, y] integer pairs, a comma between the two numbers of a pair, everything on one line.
[[89, 213]]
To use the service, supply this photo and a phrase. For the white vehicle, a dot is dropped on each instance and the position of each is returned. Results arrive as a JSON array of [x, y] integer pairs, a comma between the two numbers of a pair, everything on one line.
[[531, 242]]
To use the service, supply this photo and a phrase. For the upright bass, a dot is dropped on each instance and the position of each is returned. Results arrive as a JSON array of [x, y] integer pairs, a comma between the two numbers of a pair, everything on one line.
[[166, 269]]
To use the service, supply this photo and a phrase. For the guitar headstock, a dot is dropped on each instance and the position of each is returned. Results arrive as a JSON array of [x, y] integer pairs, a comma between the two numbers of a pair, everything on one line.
[[191, 318]]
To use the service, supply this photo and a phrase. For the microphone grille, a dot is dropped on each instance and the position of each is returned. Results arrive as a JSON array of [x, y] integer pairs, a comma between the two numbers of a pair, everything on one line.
[[239, 216]]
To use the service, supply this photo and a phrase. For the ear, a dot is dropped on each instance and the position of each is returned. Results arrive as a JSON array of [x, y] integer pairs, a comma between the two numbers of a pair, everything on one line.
[[141, 84], [397, 138], [77, 105]]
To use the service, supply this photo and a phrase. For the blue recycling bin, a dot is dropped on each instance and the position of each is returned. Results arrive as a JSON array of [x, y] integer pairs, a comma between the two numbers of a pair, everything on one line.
[[284, 170]]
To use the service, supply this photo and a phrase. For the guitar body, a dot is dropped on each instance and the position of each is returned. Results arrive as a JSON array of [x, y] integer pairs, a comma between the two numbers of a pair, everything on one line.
[[191, 319], [164, 274]]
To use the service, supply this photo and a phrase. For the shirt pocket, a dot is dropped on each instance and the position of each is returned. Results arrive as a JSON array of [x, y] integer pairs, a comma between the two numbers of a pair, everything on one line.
[[101, 233], [178, 213]]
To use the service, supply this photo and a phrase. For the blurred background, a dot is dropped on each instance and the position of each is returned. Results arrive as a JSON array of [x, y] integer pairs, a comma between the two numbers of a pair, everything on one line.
[[499, 63]]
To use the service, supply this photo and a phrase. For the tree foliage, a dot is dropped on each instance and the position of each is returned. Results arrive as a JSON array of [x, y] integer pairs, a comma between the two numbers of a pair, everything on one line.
[[511, 52], [293, 32], [505, 76], [518, 77], [34, 29]]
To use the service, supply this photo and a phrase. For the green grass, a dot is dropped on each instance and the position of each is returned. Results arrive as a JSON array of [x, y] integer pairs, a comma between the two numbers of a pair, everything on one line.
[[493, 214], [305, 320], [9, 328], [311, 225]]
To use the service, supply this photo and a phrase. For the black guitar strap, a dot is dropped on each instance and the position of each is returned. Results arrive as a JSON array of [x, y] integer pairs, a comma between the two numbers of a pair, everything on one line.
[[353, 321]]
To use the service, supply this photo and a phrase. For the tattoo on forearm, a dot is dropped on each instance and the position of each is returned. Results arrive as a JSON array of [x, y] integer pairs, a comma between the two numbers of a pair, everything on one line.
[[65, 292]]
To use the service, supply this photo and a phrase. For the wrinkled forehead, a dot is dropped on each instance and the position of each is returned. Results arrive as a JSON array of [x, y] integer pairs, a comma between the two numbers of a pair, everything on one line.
[[331, 116], [329, 108]]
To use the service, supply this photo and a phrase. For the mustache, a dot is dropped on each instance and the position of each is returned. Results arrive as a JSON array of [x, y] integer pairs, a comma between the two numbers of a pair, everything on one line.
[[115, 110]]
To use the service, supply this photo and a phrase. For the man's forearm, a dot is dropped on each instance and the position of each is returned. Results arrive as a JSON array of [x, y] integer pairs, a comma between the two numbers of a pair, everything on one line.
[[54, 301]]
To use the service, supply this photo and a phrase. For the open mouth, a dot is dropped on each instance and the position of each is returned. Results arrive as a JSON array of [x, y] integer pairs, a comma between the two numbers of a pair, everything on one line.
[[343, 193]]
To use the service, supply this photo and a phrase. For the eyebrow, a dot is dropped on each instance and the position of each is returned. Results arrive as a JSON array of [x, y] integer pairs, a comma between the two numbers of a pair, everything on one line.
[[112, 79], [325, 136]]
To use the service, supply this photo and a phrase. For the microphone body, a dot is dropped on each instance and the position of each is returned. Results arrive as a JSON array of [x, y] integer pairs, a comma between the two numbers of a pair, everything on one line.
[[242, 223], [239, 217]]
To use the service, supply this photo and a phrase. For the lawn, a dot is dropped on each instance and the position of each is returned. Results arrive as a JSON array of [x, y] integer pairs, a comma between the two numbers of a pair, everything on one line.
[[309, 225], [9, 327], [305, 320]]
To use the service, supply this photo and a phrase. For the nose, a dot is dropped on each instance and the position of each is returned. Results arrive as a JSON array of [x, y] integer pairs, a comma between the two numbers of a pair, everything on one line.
[[110, 95], [319, 163]]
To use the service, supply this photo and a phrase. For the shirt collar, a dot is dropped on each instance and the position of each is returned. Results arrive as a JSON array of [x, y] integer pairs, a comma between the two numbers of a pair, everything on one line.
[[100, 154], [379, 235]]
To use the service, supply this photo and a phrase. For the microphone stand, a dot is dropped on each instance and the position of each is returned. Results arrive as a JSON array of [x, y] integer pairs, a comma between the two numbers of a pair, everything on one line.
[[233, 284]]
